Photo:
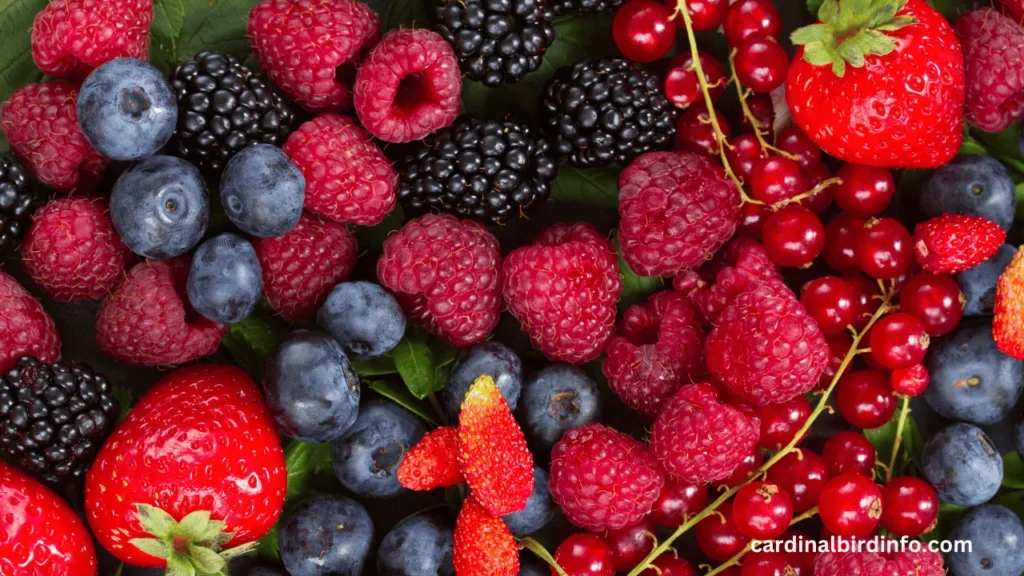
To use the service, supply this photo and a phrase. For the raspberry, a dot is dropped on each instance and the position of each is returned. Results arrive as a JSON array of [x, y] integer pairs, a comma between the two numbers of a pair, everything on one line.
[[953, 243], [25, 328], [603, 479], [483, 545], [71, 37], [923, 563], [700, 439], [41, 123], [146, 319], [658, 348], [433, 462], [348, 179], [408, 86], [740, 264], [1009, 309], [991, 44], [677, 209], [301, 267], [447, 275], [72, 250], [301, 45], [563, 290]]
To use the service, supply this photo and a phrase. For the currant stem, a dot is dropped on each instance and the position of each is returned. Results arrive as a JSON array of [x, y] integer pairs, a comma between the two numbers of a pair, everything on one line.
[[800, 197], [742, 93], [900, 424], [542, 553], [735, 560]]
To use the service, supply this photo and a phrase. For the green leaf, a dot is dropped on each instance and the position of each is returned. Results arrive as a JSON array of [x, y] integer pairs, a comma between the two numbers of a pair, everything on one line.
[[251, 340], [379, 366], [125, 400], [205, 560], [152, 546], [16, 66], [373, 237], [168, 20], [155, 521], [635, 288], [951, 8], [813, 6], [1003, 146], [884, 437], [1019, 192], [598, 187], [407, 14], [303, 461], [1012, 500], [268, 547], [215, 25], [415, 362], [399, 395], [1013, 471]]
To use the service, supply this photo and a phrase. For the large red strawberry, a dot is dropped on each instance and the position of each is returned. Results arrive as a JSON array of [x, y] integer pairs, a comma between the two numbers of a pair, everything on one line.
[[880, 82], [193, 475], [40, 535]]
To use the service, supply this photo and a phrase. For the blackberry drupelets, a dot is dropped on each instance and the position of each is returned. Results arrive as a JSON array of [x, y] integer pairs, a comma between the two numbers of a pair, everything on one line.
[[602, 111], [224, 107], [17, 202], [486, 170], [54, 418], [585, 6]]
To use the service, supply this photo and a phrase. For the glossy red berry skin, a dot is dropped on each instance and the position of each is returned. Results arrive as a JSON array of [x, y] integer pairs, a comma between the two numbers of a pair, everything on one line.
[[762, 510], [841, 243], [865, 191], [669, 565], [816, 174], [848, 451], [865, 399], [780, 422], [750, 20], [910, 506], [935, 300], [884, 248], [745, 469], [761, 65], [829, 300], [793, 236], [910, 381], [865, 301], [775, 179], [584, 555], [850, 505], [682, 87], [838, 347], [717, 535], [676, 501], [793, 140], [752, 217], [704, 14], [765, 564], [631, 544], [764, 113], [694, 132], [642, 30], [801, 473], [744, 154], [802, 563], [899, 341]]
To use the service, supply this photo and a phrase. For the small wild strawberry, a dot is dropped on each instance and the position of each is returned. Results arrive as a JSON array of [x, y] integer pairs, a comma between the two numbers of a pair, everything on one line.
[[952, 243], [1008, 322], [483, 544], [433, 462]]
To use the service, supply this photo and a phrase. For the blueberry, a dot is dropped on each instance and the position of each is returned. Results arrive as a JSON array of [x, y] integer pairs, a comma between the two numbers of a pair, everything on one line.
[[555, 399], [364, 318], [533, 569], [997, 543], [325, 535], [979, 283], [539, 508], [225, 280], [417, 546], [127, 109], [971, 184], [492, 358], [367, 457], [310, 386], [262, 191], [264, 571], [971, 380], [159, 207], [962, 464]]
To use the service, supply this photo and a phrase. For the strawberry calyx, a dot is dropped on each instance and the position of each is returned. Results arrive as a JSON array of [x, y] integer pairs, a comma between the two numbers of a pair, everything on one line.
[[849, 31], [191, 547]]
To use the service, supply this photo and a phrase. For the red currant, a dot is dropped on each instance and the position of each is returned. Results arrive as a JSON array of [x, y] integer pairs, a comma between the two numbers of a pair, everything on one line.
[[752, 217], [850, 505], [762, 510], [763, 110], [750, 20], [584, 555], [745, 469], [694, 132], [884, 248], [776, 178], [794, 141], [910, 506], [793, 236], [676, 501], [838, 347], [801, 473], [816, 174], [717, 535], [642, 30], [865, 399], [669, 565], [765, 564], [744, 153], [865, 301], [865, 191], [935, 300], [802, 563], [780, 422], [761, 65], [682, 87], [631, 544], [899, 341], [704, 14], [849, 451], [910, 381], [841, 243], [829, 300]]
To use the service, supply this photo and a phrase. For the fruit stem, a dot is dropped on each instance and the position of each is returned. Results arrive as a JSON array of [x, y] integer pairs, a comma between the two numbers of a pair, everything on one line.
[[904, 411], [438, 409], [542, 553], [805, 195], [743, 93], [735, 560]]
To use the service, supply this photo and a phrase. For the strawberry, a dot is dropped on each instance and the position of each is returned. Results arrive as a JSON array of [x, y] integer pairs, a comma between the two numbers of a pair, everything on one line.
[[1009, 309], [879, 82], [952, 243], [194, 475], [42, 535], [433, 462], [483, 544], [492, 450]]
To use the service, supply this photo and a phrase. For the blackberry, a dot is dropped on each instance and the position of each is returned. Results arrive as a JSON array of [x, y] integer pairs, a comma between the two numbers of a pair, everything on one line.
[[487, 170], [497, 41], [17, 202], [54, 418], [224, 107], [585, 6], [604, 111]]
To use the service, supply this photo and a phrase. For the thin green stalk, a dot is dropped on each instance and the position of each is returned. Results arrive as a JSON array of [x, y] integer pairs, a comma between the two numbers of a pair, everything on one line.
[[735, 560], [542, 553], [900, 424]]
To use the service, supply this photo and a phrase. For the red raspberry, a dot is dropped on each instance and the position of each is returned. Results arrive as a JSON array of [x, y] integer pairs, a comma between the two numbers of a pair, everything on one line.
[[301, 267], [952, 243], [991, 44], [72, 250], [446, 273], [41, 124], [677, 209], [603, 479], [746, 264], [146, 320], [71, 37], [700, 439], [923, 563], [301, 44], [348, 179], [563, 290], [659, 347], [25, 328], [408, 86]]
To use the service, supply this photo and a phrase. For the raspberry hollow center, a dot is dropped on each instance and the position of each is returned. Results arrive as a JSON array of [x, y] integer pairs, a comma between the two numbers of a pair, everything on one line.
[[413, 91]]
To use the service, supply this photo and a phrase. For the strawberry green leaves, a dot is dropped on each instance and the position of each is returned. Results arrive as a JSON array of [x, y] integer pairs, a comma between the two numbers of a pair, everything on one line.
[[850, 31], [191, 547]]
